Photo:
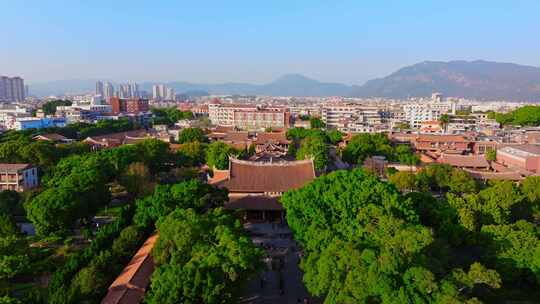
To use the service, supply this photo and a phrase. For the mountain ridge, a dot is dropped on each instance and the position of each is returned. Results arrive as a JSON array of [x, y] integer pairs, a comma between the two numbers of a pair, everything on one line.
[[478, 79]]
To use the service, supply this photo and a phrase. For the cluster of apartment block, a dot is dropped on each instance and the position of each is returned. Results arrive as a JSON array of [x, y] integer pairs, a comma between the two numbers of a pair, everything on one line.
[[349, 117]]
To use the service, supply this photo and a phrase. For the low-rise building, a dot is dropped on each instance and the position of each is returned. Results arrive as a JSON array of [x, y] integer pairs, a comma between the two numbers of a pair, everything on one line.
[[38, 123], [18, 177], [477, 162], [442, 143], [522, 157]]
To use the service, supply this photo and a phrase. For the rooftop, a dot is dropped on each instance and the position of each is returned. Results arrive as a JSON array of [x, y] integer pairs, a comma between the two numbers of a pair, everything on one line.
[[522, 150], [247, 176], [441, 138], [14, 167], [272, 137], [130, 286], [464, 161]]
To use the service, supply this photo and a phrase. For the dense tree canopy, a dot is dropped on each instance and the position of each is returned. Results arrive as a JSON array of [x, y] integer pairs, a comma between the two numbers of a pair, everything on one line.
[[166, 198], [364, 145], [77, 186], [364, 242], [169, 116], [190, 135], [217, 155], [202, 258], [316, 148], [49, 108], [192, 154], [523, 116], [316, 123]]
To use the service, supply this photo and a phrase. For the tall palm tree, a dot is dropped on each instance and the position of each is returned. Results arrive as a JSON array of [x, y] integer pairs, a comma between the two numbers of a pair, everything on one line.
[[444, 120]]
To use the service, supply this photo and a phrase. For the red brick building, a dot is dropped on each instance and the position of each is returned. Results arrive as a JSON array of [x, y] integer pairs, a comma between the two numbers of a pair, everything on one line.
[[129, 105], [442, 143]]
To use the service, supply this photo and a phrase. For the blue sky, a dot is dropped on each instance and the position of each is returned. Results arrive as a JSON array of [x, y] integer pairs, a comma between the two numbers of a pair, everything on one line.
[[257, 41]]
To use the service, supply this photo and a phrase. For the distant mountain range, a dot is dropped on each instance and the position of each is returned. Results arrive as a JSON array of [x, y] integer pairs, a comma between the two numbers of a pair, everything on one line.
[[470, 79]]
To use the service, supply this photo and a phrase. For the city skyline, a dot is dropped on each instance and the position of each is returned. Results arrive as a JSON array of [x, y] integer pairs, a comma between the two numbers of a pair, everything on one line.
[[214, 42]]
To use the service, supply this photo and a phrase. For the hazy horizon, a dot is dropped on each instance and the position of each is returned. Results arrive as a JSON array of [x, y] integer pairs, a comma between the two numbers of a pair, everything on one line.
[[243, 41]]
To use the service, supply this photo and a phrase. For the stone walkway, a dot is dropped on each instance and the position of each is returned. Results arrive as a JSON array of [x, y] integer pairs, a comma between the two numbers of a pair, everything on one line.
[[281, 282]]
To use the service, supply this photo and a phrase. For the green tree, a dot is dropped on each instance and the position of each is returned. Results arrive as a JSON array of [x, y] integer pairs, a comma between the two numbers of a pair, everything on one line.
[[192, 153], [461, 182], [406, 156], [155, 154], [202, 258], [434, 177], [7, 226], [137, 180], [364, 145], [13, 257], [515, 249], [523, 116], [217, 155], [363, 242], [334, 136], [403, 126], [444, 120], [404, 181], [166, 198], [9, 201], [49, 108], [191, 135], [491, 155], [314, 147], [316, 123]]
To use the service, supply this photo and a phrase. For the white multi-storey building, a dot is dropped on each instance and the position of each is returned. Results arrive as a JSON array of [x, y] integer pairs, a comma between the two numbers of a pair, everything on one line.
[[351, 117], [416, 113], [248, 116]]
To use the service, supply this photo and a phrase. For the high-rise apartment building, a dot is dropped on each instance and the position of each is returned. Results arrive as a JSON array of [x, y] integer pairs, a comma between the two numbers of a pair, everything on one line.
[[108, 90], [12, 89], [170, 94], [99, 89], [159, 91], [134, 88]]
